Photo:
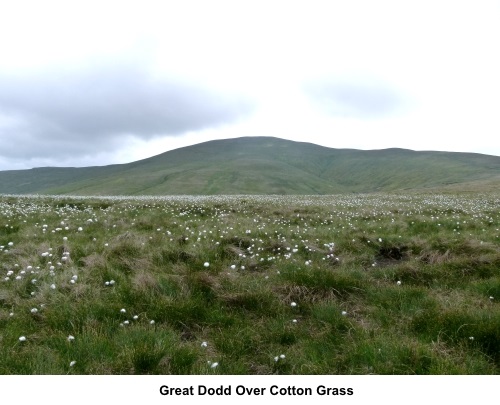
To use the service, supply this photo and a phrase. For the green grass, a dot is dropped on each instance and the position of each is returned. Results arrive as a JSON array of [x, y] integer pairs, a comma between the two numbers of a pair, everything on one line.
[[346, 284]]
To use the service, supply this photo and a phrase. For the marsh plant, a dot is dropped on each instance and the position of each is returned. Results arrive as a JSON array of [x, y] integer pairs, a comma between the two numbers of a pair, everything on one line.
[[348, 284]]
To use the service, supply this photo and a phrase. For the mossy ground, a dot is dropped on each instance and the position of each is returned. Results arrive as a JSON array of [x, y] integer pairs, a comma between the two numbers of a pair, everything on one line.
[[360, 284]]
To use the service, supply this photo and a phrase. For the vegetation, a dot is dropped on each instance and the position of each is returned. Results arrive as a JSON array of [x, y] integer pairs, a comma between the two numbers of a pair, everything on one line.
[[347, 284], [264, 165]]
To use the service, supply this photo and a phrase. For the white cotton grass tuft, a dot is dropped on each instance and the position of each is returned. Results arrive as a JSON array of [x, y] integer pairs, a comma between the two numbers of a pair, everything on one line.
[[293, 304], [72, 363], [204, 344], [344, 313], [206, 264], [70, 338], [398, 282], [22, 338]]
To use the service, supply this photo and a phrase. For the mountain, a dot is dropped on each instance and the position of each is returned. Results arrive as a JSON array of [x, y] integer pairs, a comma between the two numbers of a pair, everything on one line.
[[264, 165]]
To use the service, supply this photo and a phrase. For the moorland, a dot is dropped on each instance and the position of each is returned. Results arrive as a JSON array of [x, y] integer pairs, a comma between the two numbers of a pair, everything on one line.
[[381, 283]]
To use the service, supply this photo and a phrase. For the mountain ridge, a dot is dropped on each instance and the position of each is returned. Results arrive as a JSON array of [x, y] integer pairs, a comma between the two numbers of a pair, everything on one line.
[[263, 165]]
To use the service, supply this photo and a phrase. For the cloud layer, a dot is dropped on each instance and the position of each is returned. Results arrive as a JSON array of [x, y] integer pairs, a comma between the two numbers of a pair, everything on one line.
[[93, 83], [98, 107], [356, 98]]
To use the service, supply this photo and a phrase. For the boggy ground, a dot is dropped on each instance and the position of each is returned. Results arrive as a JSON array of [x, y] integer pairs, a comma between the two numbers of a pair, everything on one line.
[[358, 284]]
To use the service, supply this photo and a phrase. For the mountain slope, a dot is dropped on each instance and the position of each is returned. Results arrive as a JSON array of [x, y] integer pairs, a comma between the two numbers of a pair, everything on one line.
[[262, 165]]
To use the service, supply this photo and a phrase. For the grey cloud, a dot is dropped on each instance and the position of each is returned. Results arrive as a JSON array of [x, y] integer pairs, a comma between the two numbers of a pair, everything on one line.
[[358, 99], [81, 110]]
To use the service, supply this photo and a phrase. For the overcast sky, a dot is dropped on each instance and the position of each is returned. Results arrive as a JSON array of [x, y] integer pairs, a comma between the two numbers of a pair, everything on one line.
[[94, 83]]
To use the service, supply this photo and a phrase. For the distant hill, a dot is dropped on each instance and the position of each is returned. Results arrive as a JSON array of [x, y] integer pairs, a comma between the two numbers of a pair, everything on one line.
[[264, 165]]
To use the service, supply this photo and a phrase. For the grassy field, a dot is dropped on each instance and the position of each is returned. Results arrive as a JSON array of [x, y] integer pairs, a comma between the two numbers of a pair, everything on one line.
[[348, 284]]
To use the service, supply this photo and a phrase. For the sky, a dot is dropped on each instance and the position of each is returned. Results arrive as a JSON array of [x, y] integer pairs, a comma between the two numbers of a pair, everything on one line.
[[86, 83]]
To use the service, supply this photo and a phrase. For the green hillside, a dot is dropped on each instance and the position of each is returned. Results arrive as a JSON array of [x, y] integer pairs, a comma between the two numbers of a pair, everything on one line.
[[264, 165]]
